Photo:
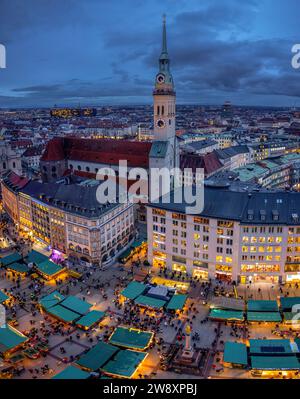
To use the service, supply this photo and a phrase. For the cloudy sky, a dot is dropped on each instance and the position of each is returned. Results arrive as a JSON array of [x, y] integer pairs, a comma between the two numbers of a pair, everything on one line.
[[97, 52]]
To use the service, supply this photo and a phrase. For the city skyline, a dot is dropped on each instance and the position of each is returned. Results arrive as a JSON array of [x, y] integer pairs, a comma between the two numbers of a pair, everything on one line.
[[99, 54]]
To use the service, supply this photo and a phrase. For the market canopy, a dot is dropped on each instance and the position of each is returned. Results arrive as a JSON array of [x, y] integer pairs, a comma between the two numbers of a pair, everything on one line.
[[72, 373], [91, 318], [288, 303], [133, 290], [150, 302], [222, 302], [97, 356], [7, 260], [52, 299], [177, 302], [76, 304], [125, 363], [63, 313], [48, 268], [275, 363], [35, 257], [291, 318], [264, 316], [18, 267], [3, 297], [230, 315], [10, 338], [235, 353], [270, 346], [262, 306], [131, 338]]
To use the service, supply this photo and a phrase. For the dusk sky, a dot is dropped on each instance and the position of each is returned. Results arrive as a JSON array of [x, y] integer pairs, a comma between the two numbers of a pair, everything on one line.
[[96, 52]]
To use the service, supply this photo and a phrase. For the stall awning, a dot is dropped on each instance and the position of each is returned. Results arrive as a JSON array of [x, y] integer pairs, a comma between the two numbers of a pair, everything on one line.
[[72, 373], [287, 303], [177, 302], [131, 338], [264, 316], [91, 318], [150, 302], [262, 306], [48, 268], [10, 338], [76, 304], [63, 313], [235, 353], [35, 257], [133, 290], [52, 299], [18, 267], [230, 315], [97, 356], [275, 363], [270, 346], [7, 260], [124, 364]]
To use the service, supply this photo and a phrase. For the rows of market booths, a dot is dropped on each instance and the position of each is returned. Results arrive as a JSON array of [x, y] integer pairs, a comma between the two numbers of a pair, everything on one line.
[[265, 358], [121, 357], [34, 264], [256, 311], [153, 296]]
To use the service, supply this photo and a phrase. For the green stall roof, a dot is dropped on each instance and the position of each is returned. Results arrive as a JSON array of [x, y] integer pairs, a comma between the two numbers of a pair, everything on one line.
[[76, 304], [288, 303], [270, 346], [97, 356], [150, 302], [220, 314], [35, 257], [262, 306], [72, 373], [48, 268], [7, 260], [291, 317], [52, 299], [137, 243], [275, 363], [264, 316], [133, 290], [177, 302], [18, 267], [88, 320], [125, 363], [3, 297], [235, 353], [131, 338], [10, 338], [63, 313]]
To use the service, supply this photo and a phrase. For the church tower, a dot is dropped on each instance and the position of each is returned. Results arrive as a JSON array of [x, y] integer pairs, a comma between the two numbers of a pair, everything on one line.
[[164, 97]]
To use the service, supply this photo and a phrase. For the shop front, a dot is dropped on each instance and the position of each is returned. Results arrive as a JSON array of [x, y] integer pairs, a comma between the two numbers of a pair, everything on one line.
[[224, 272], [200, 274], [259, 278], [292, 278]]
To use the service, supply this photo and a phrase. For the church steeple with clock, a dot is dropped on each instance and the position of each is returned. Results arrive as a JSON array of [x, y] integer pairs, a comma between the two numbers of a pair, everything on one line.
[[164, 151], [164, 95]]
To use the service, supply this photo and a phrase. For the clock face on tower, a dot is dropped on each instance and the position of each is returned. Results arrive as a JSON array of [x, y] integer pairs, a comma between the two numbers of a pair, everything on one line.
[[160, 123], [160, 78]]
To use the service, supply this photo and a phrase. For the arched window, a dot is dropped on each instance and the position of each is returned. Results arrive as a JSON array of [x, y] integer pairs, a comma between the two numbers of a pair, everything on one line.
[[87, 169], [79, 167]]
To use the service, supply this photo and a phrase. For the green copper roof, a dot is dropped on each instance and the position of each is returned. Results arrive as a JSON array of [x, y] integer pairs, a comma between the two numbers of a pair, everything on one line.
[[72, 373], [48, 268], [264, 316], [125, 363], [235, 353], [18, 267], [275, 363], [133, 290], [262, 306], [91, 318], [52, 299], [131, 338], [76, 304], [10, 338], [7, 260], [97, 356], [3, 297], [177, 302], [150, 302]]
